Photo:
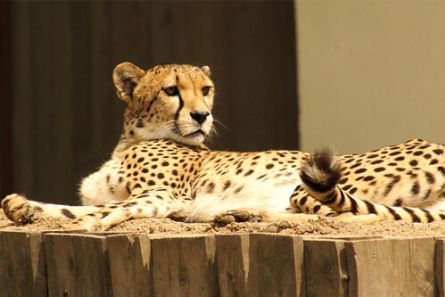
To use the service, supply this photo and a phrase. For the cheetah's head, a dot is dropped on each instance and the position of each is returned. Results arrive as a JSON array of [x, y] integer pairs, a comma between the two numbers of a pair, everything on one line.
[[166, 101]]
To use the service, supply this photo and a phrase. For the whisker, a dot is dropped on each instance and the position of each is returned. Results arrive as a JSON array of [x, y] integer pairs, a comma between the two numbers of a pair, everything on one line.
[[221, 124], [212, 136]]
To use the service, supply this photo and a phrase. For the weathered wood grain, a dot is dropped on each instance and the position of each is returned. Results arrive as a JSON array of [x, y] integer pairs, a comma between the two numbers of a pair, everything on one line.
[[325, 268], [275, 266], [439, 268], [129, 258], [22, 264], [63, 264], [184, 266], [232, 258], [391, 267], [77, 265]]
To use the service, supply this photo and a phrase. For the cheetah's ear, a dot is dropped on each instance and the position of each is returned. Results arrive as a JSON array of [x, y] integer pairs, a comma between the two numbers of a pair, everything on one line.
[[125, 77], [206, 70]]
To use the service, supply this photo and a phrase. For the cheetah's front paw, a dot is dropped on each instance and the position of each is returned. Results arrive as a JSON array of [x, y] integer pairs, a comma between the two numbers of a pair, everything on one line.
[[18, 209], [237, 216]]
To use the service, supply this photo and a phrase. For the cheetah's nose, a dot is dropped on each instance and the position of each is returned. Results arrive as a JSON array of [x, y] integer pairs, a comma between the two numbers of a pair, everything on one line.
[[200, 117]]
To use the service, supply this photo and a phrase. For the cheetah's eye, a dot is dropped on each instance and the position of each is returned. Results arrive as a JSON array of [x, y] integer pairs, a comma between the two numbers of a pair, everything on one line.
[[171, 91], [205, 90]]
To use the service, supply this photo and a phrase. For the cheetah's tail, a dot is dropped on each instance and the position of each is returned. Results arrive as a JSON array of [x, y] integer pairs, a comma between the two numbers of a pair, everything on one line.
[[320, 175]]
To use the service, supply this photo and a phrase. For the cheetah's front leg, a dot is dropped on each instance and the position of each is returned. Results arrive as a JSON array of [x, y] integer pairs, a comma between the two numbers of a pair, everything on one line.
[[21, 211], [160, 203]]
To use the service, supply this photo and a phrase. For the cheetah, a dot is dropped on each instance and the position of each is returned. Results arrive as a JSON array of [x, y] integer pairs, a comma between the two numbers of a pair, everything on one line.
[[160, 168]]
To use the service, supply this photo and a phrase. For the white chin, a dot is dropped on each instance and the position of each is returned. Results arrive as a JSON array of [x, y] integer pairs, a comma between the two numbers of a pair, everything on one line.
[[195, 139]]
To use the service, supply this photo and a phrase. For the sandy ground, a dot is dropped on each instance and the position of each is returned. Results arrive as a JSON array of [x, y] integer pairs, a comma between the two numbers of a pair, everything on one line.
[[325, 227]]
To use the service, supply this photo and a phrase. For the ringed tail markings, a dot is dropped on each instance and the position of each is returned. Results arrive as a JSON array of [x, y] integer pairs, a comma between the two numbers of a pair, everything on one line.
[[321, 175]]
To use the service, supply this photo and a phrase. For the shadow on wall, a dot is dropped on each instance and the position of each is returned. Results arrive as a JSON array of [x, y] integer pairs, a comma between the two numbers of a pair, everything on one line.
[[66, 117]]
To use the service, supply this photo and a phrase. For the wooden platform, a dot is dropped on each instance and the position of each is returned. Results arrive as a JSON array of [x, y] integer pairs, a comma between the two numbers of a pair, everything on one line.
[[73, 265]]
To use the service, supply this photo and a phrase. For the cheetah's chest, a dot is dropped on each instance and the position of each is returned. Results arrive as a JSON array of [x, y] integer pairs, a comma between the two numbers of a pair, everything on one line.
[[161, 164]]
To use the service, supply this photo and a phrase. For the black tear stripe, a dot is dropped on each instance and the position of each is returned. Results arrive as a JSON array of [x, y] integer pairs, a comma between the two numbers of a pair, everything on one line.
[[181, 105]]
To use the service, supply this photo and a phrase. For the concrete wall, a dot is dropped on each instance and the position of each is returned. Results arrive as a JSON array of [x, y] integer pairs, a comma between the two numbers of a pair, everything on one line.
[[371, 72]]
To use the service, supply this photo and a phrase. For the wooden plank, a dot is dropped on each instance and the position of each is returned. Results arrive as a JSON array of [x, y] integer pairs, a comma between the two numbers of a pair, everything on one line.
[[439, 268], [391, 267], [22, 264], [184, 266], [129, 258], [275, 266], [77, 265], [325, 268], [232, 258]]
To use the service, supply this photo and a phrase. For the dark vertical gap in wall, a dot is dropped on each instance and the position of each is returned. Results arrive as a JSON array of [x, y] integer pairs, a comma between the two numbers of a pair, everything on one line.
[[5, 100], [297, 73]]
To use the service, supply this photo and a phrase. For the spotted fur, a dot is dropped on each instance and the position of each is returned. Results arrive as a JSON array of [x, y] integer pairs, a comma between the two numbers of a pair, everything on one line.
[[160, 168], [401, 182]]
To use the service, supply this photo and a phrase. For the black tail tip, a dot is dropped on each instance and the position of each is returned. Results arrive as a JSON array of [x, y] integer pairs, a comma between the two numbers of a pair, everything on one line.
[[321, 172]]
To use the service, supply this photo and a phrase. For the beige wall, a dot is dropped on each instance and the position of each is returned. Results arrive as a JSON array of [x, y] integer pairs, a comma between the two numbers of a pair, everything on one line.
[[371, 72]]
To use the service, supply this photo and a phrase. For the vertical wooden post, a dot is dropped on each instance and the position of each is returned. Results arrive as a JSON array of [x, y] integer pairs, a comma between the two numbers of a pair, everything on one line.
[[391, 267], [129, 258], [232, 258], [439, 268], [275, 266], [22, 264], [184, 266], [77, 265], [325, 267]]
